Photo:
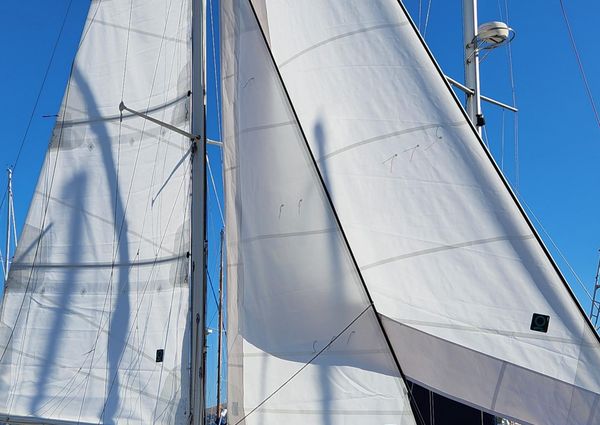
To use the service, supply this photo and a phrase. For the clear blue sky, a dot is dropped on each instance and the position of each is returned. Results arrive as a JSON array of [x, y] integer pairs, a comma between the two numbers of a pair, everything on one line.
[[559, 141]]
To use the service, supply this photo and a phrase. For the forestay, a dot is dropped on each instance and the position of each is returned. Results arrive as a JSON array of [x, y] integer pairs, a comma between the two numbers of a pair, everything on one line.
[[99, 284], [455, 269], [304, 343]]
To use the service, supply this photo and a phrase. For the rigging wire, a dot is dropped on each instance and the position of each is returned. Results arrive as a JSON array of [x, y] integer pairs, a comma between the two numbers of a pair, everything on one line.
[[427, 18], [514, 104], [502, 137], [212, 179], [571, 268], [305, 365], [217, 99], [580, 63], [420, 13], [39, 95]]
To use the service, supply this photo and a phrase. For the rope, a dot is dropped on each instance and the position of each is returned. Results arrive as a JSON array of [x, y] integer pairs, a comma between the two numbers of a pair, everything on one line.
[[287, 381], [580, 63]]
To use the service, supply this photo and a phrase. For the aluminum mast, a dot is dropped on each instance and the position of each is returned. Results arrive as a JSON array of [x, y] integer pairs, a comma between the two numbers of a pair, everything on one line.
[[198, 212]]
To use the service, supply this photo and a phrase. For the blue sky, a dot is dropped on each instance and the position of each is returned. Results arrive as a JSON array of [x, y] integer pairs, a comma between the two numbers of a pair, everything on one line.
[[559, 146]]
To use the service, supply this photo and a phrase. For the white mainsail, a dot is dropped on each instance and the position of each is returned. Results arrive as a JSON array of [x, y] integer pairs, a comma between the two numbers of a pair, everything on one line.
[[454, 267], [304, 343], [98, 291]]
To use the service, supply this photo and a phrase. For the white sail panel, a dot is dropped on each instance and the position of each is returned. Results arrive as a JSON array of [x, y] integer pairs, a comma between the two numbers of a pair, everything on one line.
[[305, 345], [99, 282], [453, 265]]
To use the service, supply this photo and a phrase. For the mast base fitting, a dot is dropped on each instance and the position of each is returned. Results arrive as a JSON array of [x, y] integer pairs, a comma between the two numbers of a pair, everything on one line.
[[480, 120]]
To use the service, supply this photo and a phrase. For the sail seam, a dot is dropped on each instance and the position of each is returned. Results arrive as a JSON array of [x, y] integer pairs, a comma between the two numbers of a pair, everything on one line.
[[339, 225], [338, 412], [390, 135], [146, 33], [443, 248], [288, 235], [338, 37], [412, 323], [156, 108], [148, 262]]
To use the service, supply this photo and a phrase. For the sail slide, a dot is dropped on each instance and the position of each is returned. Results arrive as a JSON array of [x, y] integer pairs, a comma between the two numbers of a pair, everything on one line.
[[304, 343], [94, 326], [473, 305]]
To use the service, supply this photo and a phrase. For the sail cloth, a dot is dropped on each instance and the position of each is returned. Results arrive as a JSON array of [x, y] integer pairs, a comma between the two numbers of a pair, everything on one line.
[[99, 282], [304, 343], [454, 267]]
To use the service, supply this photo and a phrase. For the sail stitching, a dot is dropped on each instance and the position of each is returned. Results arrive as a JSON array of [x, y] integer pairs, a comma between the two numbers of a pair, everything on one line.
[[338, 37], [337, 220], [389, 135], [442, 248], [147, 262], [124, 116]]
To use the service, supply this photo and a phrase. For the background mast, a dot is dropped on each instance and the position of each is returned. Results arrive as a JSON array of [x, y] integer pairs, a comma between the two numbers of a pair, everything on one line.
[[11, 228], [470, 26], [198, 212]]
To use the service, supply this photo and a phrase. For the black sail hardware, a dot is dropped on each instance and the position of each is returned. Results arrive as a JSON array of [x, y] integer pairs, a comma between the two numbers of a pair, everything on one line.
[[160, 354], [540, 322]]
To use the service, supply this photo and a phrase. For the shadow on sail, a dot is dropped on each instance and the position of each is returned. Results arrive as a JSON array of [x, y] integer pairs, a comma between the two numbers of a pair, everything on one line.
[[73, 192], [119, 320]]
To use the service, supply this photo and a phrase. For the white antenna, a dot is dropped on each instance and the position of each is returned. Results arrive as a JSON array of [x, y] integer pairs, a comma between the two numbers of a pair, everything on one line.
[[11, 227]]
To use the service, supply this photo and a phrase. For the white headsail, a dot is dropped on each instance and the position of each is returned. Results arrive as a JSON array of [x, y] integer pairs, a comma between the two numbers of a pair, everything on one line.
[[305, 345], [95, 319], [456, 271]]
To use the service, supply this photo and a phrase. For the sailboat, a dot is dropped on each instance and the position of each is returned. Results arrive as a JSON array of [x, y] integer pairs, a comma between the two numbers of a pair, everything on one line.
[[373, 244]]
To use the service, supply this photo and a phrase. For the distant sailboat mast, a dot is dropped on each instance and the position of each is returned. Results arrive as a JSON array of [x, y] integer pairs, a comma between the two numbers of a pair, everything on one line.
[[11, 228]]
